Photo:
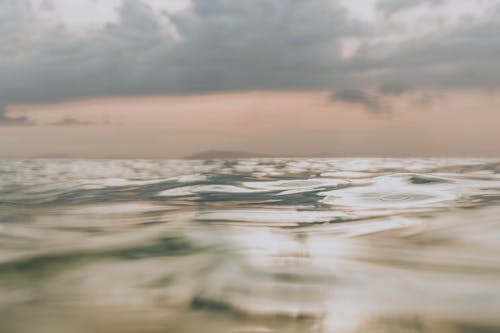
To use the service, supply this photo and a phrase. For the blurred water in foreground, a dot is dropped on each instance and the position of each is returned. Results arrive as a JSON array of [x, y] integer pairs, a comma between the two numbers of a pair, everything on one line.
[[255, 245]]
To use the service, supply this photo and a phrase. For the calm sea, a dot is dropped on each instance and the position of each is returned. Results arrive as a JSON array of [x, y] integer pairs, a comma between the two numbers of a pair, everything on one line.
[[251, 245]]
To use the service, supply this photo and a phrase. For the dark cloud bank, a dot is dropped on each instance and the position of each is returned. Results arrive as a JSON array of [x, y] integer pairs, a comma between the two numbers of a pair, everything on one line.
[[228, 45]]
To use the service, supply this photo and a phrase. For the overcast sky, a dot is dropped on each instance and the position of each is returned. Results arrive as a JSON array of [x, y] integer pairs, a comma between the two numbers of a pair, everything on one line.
[[167, 78]]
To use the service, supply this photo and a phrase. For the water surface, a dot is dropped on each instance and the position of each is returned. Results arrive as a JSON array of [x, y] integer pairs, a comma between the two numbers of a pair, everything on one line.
[[251, 245]]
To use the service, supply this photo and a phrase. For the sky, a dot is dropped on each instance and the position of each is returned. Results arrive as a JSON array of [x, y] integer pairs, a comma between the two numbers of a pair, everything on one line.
[[170, 78]]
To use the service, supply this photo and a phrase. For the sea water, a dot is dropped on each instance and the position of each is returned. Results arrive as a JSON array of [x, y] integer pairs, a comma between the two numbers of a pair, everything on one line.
[[250, 245]]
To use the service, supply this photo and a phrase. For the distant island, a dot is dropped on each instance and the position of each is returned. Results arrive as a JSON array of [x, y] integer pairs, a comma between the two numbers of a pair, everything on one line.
[[53, 156], [225, 154], [236, 154]]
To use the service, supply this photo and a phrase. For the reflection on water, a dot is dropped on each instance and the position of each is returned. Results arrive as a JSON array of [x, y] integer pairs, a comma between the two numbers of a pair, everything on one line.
[[257, 245]]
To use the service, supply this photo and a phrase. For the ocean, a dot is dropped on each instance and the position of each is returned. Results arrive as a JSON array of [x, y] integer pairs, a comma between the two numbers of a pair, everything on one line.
[[300, 245]]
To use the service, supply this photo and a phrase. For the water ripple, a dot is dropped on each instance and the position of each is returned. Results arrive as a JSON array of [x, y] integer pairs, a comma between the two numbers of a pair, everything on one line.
[[252, 245]]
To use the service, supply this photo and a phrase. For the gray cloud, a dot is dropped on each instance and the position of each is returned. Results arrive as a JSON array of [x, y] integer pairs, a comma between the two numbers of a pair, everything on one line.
[[460, 59], [356, 96], [262, 44], [47, 5], [6, 120], [225, 45], [236, 45], [389, 7], [72, 122]]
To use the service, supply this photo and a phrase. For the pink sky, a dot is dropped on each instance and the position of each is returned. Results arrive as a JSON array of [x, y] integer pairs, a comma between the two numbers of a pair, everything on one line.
[[298, 123]]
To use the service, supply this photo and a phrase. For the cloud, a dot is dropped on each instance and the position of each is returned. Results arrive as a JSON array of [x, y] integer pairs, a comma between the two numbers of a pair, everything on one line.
[[137, 24], [262, 44], [6, 120], [228, 45], [460, 59], [47, 5], [224, 45], [72, 122], [389, 7], [356, 96]]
